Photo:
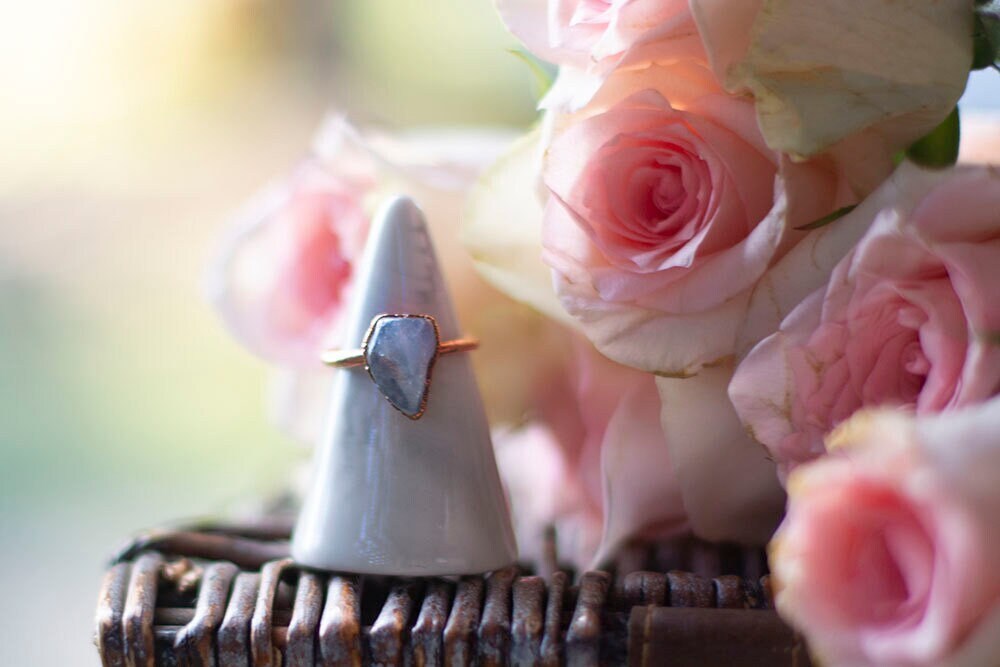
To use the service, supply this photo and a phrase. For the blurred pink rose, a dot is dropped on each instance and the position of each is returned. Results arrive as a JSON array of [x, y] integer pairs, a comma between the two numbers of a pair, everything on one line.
[[600, 34], [282, 277], [284, 269], [908, 317], [888, 552], [283, 272], [598, 440]]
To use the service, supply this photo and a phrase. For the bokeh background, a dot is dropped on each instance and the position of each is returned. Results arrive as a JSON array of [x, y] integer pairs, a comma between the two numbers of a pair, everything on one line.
[[129, 131]]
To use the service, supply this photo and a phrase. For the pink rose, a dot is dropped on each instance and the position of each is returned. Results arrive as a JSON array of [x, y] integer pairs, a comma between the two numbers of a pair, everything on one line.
[[597, 438], [888, 552], [907, 318], [600, 34], [663, 216], [281, 280], [284, 269], [660, 290]]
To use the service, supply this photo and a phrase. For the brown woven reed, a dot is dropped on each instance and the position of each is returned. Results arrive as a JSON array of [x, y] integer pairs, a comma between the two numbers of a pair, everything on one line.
[[228, 595]]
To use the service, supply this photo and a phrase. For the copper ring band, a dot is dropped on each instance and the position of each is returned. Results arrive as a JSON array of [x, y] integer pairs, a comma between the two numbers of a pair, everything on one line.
[[356, 357]]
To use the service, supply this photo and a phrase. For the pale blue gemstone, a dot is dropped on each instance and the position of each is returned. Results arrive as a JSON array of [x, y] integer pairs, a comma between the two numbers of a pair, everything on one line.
[[400, 353]]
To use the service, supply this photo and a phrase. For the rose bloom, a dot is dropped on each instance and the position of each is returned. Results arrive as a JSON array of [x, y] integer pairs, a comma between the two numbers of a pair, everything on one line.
[[284, 270], [824, 71], [666, 207], [601, 34], [593, 462], [907, 318], [888, 552]]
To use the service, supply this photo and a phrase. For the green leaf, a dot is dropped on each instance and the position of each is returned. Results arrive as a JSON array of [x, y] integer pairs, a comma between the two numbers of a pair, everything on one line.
[[986, 35], [939, 148], [827, 219], [543, 73], [986, 41]]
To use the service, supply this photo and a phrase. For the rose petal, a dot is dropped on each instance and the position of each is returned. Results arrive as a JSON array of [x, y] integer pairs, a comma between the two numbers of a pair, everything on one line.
[[809, 264], [641, 494], [823, 71], [503, 227], [729, 486]]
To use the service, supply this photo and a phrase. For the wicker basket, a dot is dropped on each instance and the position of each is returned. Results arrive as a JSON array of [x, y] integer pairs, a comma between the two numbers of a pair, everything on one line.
[[228, 595]]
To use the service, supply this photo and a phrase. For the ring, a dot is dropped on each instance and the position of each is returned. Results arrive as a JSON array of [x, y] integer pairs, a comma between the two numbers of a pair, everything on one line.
[[399, 353]]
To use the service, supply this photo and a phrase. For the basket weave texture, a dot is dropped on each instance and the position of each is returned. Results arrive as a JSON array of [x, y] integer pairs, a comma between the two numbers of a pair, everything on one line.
[[227, 595]]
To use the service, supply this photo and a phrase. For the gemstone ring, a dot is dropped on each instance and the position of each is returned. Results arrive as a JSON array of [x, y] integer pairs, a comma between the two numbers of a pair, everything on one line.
[[399, 353]]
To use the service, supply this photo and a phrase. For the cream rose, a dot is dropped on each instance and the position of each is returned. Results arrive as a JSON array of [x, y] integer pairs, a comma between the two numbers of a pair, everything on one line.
[[728, 483], [823, 71]]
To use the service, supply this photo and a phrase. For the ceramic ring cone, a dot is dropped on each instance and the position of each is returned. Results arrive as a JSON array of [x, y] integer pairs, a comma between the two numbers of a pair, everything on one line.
[[391, 495]]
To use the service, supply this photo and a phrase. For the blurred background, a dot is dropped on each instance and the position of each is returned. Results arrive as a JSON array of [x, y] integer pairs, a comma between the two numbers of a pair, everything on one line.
[[129, 132]]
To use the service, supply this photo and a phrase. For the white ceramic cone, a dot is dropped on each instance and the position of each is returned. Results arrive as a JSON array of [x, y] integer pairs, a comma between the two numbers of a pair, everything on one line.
[[393, 495]]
